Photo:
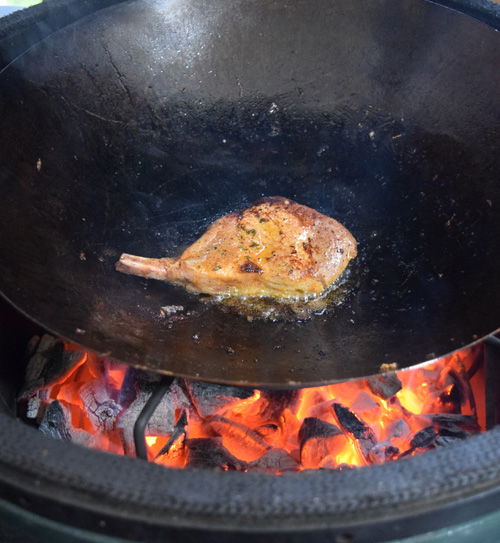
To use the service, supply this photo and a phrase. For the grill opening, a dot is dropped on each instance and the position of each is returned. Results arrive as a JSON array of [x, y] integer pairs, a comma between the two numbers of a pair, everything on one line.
[[74, 395], [114, 495]]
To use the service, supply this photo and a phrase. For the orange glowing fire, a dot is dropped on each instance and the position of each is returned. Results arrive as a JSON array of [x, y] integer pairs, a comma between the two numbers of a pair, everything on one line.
[[336, 426]]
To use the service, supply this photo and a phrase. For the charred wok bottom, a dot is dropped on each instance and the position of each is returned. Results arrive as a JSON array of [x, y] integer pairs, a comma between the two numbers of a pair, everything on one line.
[[74, 395]]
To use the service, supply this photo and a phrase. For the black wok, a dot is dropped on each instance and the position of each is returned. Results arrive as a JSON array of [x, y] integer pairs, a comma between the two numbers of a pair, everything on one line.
[[134, 128]]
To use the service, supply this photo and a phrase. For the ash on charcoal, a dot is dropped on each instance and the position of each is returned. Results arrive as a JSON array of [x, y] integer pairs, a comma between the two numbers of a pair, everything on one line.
[[83, 438], [319, 406], [35, 408], [161, 423], [353, 425], [180, 429], [364, 402], [100, 408], [345, 467], [240, 437], [209, 398], [209, 453], [49, 363], [383, 452], [398, 428], [445, 441], [328, 463], [384, 386], [55, 422], [276, 460]]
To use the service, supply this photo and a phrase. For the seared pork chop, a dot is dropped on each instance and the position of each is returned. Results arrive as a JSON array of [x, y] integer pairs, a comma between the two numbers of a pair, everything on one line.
[[276, 248]]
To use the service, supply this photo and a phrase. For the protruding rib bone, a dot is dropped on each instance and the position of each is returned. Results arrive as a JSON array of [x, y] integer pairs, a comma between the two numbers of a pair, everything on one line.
[[165, 269]]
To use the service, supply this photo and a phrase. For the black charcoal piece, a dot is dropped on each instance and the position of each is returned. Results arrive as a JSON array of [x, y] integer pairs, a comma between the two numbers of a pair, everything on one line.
[[467, 421], [278, 401], [384, 386], [210, 453], [135, 380], [208, 398], [128, 391], [55, 423], [492, 381], [454, 431], [452, 398], [31, 349], [316, 428], [461, 383], [276, 460], [319, 440], [49, 364], [352, 424], [47, 349], [349, 421], [179, 431], [424, 438], [477, 363]]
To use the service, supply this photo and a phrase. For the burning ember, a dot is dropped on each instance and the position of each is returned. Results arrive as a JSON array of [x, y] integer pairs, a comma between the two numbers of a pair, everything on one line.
[[75, 395]]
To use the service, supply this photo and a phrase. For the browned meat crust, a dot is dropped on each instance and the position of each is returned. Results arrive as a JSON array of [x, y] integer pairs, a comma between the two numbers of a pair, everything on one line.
[[276, 248]]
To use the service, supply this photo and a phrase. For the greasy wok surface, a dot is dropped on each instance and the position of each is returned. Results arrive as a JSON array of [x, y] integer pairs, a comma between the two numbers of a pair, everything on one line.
[[134, 128]]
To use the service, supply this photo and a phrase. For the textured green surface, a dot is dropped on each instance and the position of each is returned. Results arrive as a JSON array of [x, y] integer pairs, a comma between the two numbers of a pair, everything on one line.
[[481, 530], [16, 522]]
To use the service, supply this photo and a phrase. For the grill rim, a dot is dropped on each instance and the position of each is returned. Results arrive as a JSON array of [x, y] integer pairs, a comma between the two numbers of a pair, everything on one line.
[[123, 496]]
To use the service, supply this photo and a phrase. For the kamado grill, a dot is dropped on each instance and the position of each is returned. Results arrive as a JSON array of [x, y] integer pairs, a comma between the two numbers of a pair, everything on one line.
[[130, 127]]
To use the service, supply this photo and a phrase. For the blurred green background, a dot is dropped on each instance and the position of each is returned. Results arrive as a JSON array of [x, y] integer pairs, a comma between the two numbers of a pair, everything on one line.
[[9, 6], [20, 3]]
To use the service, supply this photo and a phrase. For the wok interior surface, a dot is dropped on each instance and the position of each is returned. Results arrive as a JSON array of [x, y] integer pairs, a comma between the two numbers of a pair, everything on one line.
[[136, 127]]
